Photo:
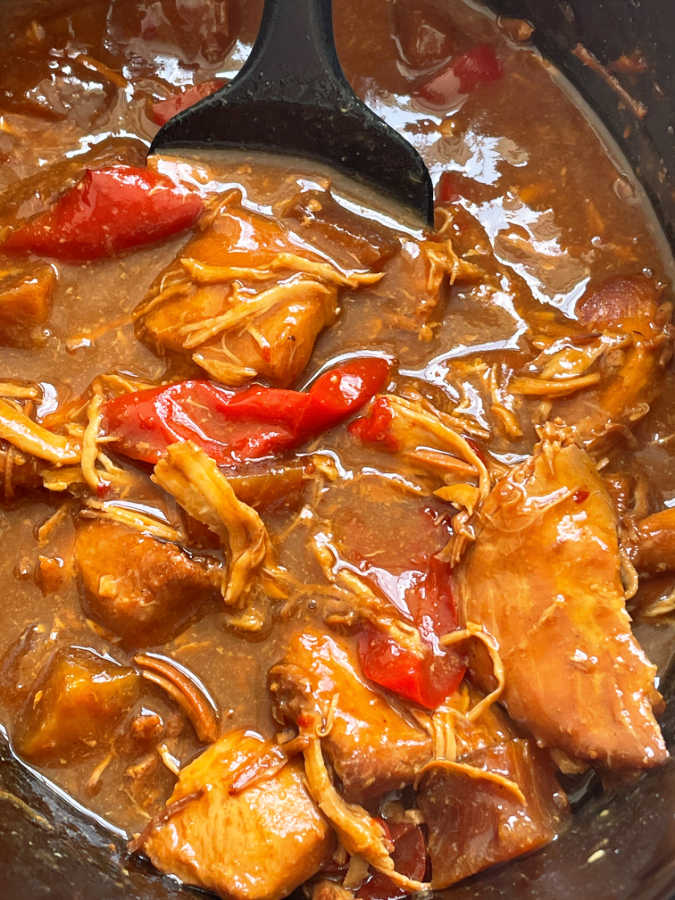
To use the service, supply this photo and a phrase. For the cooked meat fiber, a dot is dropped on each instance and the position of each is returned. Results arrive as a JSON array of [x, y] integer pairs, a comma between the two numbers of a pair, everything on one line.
[[654, 550], [630, 308], [18, 473], [257, 843], [371, 746], [232, 306], [142, 589], [471, 736], [349, 239], [544, 578], [474, 822]]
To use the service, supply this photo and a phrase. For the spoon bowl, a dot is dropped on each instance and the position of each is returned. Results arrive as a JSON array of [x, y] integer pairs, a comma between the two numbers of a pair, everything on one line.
[[291, 97]]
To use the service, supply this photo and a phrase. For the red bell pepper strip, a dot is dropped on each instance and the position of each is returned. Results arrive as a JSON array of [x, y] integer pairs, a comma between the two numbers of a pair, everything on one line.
[[479, 65], [232, 426], [426, 680], [163, 110], [447, 189], [410, 859], [108, 211], [375, 426]]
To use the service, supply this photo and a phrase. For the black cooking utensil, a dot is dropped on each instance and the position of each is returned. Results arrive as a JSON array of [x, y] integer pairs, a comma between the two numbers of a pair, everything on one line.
[[292, 97]]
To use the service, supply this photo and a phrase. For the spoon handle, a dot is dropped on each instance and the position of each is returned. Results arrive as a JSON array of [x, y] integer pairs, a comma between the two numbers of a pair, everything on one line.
[[294, 53]]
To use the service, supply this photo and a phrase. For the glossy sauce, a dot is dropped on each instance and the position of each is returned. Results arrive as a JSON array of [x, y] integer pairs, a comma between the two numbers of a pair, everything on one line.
[[548, 211]]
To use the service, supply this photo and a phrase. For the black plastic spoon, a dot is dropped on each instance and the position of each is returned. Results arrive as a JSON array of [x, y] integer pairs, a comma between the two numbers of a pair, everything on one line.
[[292, 97]]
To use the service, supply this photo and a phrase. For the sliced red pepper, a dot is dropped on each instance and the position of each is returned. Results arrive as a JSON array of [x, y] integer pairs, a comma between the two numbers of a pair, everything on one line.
[[163, 110], [339, 392], [375, 426], [231, 426], [410, 859], [447, 190], [110, 210], [426, 680], [465, 73], [477, 66]]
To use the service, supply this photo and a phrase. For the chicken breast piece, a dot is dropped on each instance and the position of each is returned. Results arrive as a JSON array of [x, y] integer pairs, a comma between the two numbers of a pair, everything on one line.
[[349, 239], [474, 821], [19, 473], [371, 746], [654, 549], [257, 843], [242, 300], [141, 588], [544, 578], [632, 309]]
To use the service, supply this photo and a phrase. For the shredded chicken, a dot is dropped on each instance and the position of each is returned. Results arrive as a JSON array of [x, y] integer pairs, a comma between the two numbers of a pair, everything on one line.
[[488, 641], [16, 391], [442, 261], [502, 403], [431, 440], [416, 423], [360, 834], [114, 511], [288, 262], [602, 380], [204, 492], [360, 600], [90, 442], [246, 308], [245, 298], [29, 437], [550, 387]]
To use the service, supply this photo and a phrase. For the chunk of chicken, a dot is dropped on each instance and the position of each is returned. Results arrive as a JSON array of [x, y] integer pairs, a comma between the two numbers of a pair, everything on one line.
[[475, 818], [254, 843], [75, 707], [630, 375], [244, 299], [469, 735], [371, 746], [351, 240], [330, 890], [18, 473], [141, 588], [25, 301], [654, 549], [206, 495], [544, 578]]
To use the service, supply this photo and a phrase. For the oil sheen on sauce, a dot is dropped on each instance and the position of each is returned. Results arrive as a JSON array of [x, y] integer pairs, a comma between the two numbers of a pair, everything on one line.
[[554, 209]]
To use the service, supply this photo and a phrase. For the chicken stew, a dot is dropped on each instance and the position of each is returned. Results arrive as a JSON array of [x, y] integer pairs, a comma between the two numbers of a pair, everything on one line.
[[324, 534]]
